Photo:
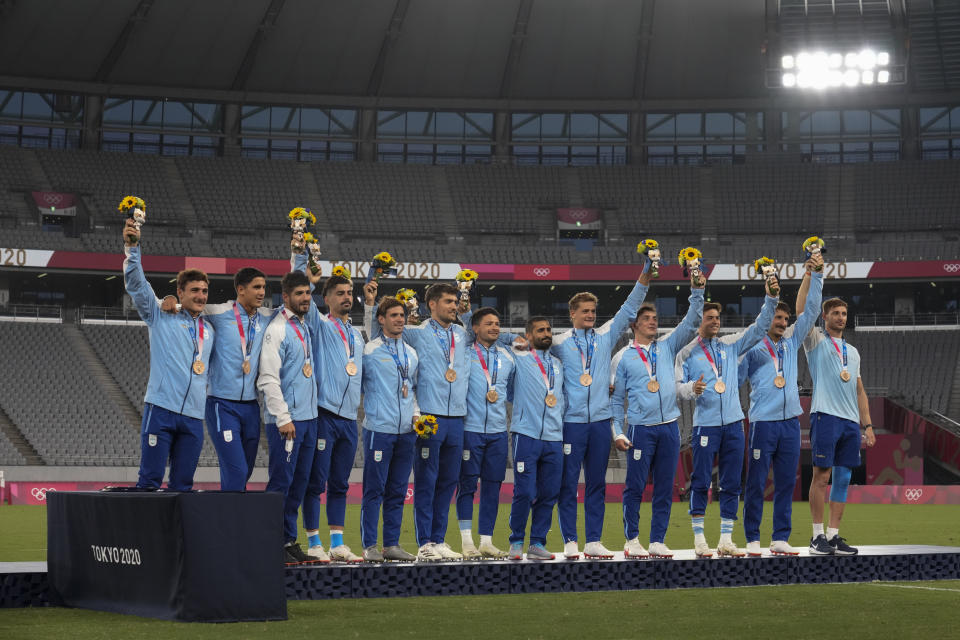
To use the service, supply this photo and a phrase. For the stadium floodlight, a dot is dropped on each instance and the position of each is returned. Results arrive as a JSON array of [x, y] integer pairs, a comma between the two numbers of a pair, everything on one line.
[[867, 59], [820, 69], [883, 58], [787, 62], [883, 76], [789, 80], [836, 60], [866, 77], [851, 77]]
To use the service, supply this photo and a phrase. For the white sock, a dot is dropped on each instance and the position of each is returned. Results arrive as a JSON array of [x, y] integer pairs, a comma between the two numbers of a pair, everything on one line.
[[831, 532], [817, 529], [466, 536], [725, 537], [698, 538], [486, 540]]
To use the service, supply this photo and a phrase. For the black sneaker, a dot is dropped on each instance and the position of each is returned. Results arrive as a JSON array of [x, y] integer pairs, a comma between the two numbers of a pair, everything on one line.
[[820, 547], [294, 555], [841, 548]]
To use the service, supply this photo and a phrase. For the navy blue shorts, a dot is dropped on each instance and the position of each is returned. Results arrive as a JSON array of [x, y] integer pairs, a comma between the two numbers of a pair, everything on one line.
[[834, 441]]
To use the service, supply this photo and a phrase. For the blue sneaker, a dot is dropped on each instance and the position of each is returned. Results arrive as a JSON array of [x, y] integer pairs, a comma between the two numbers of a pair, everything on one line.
[[516, 551], [537, 552], [841, 548], [820, 547]]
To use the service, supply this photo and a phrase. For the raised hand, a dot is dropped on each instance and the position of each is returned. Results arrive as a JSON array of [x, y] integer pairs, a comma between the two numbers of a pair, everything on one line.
[[699, 386]]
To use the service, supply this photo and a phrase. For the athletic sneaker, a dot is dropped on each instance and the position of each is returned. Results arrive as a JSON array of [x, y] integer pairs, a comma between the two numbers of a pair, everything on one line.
[[820, 547], [487, 550], [754, 550], [470, 551], [429, 553], [295, 555], [571, 551], [597, 551], [516, 551], [396, 553], [729, 550], [537, 552], [372, 554], [841, 548], [342, 553], [447, 553], [660, 550], [702, 550], [317, 552], [783, 548], [633, 549]]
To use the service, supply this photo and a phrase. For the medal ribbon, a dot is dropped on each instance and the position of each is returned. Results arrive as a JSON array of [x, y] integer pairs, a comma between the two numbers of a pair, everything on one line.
[[843, 356], [402, 369], [306, 352], [548, 383], [591, 340], [495, 365], [652, 364], [776, 355], [443, 341], [244, 345], [717, 366], [197, 343], [348, 346]]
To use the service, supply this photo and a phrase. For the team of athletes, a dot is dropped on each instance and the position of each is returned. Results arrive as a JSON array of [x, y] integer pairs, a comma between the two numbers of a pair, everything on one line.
[[304, 373]]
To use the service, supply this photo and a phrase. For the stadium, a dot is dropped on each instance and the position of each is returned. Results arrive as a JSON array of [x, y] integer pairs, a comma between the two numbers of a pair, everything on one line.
[[536, 143]]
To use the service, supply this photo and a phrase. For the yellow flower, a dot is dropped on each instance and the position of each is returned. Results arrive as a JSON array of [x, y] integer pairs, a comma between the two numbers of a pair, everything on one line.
[[406, 295], [300, 212], [690, 253], [309, 237], [812, 240], [383, 260], [340, 270], [425, 426], [467, 275], [762, 262], [646, 245], [131, 202]]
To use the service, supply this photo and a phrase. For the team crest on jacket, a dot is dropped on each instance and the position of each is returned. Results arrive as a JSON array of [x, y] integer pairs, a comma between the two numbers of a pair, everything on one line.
[[520, 467], [152, 440], [637, 453], [425, 453], [704, 440], [756, 454], [466, 455], [377, 456], [228, 435], [567, 448], [321, 444]]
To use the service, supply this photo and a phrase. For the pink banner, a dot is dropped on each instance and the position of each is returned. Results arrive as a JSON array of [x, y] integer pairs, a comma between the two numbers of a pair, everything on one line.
[[47, 199], [896, 459], [580, 214]]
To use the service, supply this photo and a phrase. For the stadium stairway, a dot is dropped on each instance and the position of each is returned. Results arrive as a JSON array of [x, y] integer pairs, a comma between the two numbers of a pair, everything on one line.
[[38, 177], [23, 446], [178, 192], [311, 193], [571, 179], [842, 185], [444, 204], [98, 371]]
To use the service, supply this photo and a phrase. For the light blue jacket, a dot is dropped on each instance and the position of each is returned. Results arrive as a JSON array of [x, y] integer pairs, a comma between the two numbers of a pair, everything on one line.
[[531, 415], [630, 375], [484, 416], [174, 340], [715, 409], [767, 402], [227, 379], [286, 394], [385, 410]]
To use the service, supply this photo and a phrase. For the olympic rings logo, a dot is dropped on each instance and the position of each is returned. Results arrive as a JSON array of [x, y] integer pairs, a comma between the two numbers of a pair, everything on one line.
[[913, 494], [40, 493], [541, 272], [579, 214], [951, 267], [52, 198]]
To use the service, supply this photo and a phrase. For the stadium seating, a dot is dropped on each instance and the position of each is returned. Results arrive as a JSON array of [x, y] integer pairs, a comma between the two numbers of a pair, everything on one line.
[[8, 453], [897, 196], [651, 200]]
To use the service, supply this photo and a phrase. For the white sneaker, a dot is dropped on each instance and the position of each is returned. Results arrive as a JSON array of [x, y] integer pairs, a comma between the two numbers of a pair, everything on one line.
[[660, 550], [633, 549], [317, 552], [782, 548], [754, 550], [487, 550], [571, 551], [597, 550], [342, 553], [470, 551], [446, 552], [703, 550], [429, 553], [729, 550]]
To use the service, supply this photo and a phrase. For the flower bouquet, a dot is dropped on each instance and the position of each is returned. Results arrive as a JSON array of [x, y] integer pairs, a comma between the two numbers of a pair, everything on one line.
[[813, 246], [425, 426], [651, 249], [382, 265], [768, 269]]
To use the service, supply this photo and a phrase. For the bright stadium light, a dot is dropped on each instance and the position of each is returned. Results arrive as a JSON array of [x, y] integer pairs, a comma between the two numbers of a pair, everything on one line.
[[868, 59], [789, 80], [836, 60], [787, 62], [883, 58], [850, 60], [883, 76], [828, 69], [851, 77], [866, 77]]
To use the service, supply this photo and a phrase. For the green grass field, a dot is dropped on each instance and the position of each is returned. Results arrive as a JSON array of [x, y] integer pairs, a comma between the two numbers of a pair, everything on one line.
[[901, 610]]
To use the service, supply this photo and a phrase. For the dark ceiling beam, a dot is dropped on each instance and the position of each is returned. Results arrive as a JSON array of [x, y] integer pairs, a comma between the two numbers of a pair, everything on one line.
[[516, 49], [386, 46], [250, 57], [109, 61], [644, 39]]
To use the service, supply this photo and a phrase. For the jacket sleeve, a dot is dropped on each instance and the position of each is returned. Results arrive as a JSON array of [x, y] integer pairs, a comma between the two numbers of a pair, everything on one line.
[[135, 281], [627, 312], [619, 394], [682, 374], [755, 332], [687, 329], [268, 382], [811, 310]]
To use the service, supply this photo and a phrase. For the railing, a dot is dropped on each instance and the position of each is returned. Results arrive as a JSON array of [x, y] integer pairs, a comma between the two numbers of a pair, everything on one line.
[[903, 320], [32, 312], [106, 315]]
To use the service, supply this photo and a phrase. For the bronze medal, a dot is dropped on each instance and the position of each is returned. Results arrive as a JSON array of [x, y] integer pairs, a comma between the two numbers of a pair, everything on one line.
[[550, 400], [586, 379], [720, 386], [779, 382], [492, 396], [351, 368], [653, 386], [246, 367], [450, 375], [845, 375], [307, 370], [404, 390], [198, 367]]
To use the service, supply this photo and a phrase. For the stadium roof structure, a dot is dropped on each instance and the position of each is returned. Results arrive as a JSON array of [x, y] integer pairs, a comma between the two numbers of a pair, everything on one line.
[[449, 53]]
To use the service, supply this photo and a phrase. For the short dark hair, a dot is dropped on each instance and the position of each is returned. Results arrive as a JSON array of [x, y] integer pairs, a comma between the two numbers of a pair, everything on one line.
[[716, 306], [247, 275], [831, 303], [293, 280], [387, 303], [437, 291], [534, 320], [785, 307], [482, 313], [334, 281], [191, 275], [644, 308]]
